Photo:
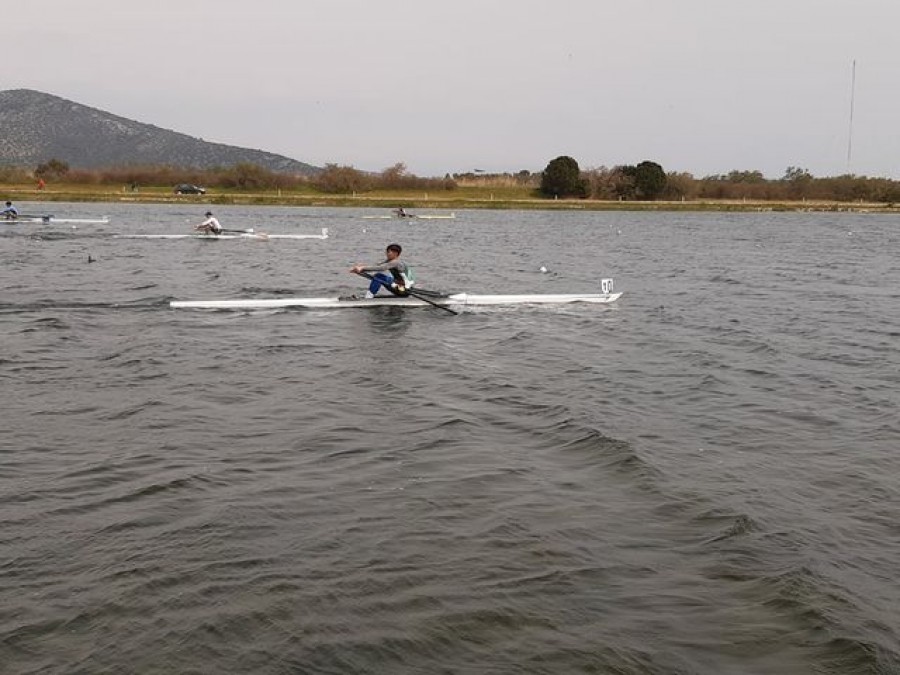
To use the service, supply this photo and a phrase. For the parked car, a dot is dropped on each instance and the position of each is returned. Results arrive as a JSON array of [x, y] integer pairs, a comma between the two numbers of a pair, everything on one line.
[[188, 189]]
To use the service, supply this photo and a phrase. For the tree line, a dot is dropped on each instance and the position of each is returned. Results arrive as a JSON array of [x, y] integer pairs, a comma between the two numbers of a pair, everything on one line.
[[648, 181], [562, 178], [332, 179]]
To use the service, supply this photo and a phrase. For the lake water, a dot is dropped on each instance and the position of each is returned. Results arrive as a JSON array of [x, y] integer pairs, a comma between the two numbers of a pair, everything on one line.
[[701, 478]]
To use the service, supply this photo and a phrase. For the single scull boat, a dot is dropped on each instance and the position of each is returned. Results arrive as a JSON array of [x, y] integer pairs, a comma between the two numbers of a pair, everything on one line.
[[411, 216], [248, 234], [456, 300], [51, 220]]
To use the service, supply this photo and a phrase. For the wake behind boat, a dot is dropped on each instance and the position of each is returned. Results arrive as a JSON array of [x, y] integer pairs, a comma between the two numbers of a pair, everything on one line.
[[425, 299], [227, 234]]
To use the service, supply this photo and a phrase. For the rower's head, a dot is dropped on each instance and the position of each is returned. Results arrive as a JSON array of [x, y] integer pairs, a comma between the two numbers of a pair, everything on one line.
[[9, 203], [393, 250], [208, 214]]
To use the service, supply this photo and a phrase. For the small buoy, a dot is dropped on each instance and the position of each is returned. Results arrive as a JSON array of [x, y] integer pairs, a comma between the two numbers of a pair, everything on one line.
[[543, 269]]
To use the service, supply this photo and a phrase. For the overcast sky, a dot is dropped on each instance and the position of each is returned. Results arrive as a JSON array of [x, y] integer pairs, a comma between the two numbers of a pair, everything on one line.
[[703, 86]]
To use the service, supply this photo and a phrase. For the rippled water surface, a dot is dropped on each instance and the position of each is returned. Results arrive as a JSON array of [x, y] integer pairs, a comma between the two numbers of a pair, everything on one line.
[[702, 478]]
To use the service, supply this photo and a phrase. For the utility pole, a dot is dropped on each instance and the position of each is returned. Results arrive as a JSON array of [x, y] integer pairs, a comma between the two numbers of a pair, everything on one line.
[[852, 101]]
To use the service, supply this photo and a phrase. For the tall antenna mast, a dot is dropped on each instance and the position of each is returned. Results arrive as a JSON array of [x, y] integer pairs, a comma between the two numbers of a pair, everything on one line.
[[852, 100]]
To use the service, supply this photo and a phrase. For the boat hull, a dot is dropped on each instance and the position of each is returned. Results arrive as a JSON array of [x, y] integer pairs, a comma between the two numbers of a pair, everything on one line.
[[457, 300], [426, 216], [58, 221], [257, 236]]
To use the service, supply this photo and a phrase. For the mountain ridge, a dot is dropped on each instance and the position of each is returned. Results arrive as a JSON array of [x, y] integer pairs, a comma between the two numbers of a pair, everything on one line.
[[36, 127]]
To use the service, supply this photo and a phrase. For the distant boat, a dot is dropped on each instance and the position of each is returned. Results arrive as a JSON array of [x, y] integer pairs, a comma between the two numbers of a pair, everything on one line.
[[413, 216], [53, 220]]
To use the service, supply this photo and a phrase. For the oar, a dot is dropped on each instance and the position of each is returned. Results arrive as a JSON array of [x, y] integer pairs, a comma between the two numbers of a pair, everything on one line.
[[412, 293]]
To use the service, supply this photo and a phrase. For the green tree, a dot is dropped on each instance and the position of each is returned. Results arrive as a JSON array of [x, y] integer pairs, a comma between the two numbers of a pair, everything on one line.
[[649, 180], [562, 178], [795, 173]]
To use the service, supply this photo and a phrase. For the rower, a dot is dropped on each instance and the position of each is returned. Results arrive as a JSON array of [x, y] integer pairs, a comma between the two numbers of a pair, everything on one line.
[[399, 281], [401, 212], [10, 212], [210, 225]]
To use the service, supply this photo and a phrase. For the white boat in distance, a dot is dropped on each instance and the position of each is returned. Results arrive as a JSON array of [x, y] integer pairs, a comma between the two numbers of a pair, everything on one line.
[[454, 301], [412, 216], [246, 234], [52, 220]]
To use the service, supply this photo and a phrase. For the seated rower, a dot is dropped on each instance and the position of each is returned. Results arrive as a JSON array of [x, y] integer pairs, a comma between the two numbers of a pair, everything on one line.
[[393, 274], [210, 225], [401, 212], [10, 212]]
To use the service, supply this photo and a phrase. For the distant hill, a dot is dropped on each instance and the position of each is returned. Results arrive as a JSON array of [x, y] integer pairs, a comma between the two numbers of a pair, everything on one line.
[[36, 127]]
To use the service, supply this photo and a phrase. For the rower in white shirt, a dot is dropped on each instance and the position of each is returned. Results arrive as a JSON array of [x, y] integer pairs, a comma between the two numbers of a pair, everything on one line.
[[210, 225]]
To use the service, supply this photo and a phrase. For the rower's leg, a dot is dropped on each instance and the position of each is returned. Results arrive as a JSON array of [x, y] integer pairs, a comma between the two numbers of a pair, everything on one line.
[[377, 280]]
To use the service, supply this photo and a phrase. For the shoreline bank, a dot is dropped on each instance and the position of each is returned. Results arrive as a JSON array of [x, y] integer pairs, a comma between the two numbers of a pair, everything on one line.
[[420, 201]]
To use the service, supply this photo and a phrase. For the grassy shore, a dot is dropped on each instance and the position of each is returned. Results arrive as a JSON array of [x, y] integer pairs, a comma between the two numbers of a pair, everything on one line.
[[469, 197]]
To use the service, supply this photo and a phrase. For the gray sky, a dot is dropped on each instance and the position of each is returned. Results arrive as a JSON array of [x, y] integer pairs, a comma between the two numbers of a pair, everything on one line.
[[703, 86]]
